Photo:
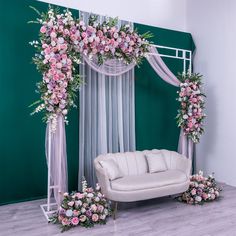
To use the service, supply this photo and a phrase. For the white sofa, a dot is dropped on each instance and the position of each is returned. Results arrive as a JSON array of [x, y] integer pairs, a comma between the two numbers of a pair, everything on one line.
[[137, 183]]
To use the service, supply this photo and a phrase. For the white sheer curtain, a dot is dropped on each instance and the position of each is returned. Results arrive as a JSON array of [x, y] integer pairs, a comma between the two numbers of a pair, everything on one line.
[[185, 146], [107, 117], [55, 147]]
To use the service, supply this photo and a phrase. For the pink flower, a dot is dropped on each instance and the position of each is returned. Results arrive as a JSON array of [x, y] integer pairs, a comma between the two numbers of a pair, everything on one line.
[[100, 33], [75, 221], [53, 34], [106, 49], [95, 217], [193, 192], [64, 46], [59, 65], [75, 213], [100, 208], [190, 125], [43, 29], [204, 196], [79, 195], [71, 203], [84, 35], [47, 50], [65, 221], [66, 32]]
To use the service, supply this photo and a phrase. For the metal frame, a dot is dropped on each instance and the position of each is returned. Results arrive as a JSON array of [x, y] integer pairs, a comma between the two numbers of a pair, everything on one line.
[[51, 206], [177, 50]]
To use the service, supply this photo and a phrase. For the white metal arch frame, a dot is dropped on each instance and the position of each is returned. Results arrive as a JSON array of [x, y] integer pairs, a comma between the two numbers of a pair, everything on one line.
[[186, 56], [51, 206]]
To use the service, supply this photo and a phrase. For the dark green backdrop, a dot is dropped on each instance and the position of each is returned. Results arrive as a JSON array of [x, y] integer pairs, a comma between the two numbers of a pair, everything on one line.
[[23, 171]]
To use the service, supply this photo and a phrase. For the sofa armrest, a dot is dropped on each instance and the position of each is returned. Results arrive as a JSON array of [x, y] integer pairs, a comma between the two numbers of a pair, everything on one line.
[[184, 164], [103, 179]]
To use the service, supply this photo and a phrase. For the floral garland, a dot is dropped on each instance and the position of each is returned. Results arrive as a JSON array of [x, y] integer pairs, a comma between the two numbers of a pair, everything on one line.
[[191, 116], [62, 41], [201, 189], [85, 208]]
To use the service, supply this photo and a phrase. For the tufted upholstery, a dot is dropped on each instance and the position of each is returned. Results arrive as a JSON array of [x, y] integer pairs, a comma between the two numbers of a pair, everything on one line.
[[137, 183]]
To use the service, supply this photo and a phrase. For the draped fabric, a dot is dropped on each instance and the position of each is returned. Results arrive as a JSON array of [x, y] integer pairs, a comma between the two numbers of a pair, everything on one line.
[[112, 67], [185, 145], [107, 117], [55, 146]]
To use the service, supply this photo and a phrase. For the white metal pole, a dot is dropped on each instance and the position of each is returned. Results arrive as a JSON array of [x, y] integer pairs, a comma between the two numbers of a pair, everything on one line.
[[49, 166]]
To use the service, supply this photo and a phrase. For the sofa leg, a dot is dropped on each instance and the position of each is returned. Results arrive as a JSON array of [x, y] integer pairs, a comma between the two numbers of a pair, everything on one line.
[[114, 210]]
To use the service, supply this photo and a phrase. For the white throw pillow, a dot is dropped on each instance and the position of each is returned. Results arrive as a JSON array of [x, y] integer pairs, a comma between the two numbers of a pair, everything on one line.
[[112, 169], [156, 162]]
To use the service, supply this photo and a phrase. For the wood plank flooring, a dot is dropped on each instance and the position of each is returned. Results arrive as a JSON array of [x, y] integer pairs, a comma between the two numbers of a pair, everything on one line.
[[157, 217]]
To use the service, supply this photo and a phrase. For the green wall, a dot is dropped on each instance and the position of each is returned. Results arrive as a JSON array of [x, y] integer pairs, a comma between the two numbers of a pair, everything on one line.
[[156, 105], [23, 171]]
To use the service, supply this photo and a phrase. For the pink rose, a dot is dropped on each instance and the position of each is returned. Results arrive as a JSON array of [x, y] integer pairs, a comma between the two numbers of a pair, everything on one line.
[[65, 221], [75, 221], [204, 196], [95, 217], [100, 208], [47, 51], [100, 33], [75, 213], [43, 29], [106, 49], [53, 34], [84, 35], [59, 65], [193, 192], [44, 46], [79, 195], [66, 32], [190, 125], [63, 46], [71, 203]]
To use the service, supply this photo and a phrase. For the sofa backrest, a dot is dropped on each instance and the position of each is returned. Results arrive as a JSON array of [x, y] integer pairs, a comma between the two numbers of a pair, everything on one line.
[[134, 163]]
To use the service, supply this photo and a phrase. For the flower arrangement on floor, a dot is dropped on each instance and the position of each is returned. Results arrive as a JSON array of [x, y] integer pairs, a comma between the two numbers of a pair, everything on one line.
[[191, 116], [85, 208], [201, 189], [63, 40]]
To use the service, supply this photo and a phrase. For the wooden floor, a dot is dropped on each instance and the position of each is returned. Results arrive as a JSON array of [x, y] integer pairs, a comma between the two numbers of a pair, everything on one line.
[[163, 216]]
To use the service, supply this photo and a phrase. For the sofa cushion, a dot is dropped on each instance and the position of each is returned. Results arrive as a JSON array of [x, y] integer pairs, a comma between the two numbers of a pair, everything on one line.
[[148, 181], [112, 169], [156, 162]]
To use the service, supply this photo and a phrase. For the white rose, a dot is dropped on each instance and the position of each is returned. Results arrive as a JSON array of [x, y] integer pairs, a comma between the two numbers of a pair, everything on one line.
[[198, 199], [185, 116], [83, 210]]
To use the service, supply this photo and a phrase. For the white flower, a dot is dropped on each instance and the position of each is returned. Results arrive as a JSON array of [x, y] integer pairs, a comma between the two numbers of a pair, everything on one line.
[[64, 112], [60, 40], [185, 116], [200, 172], [103, 217], [69, 213], [97, 199], [83, 210], [198, 198], [90, 195]]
